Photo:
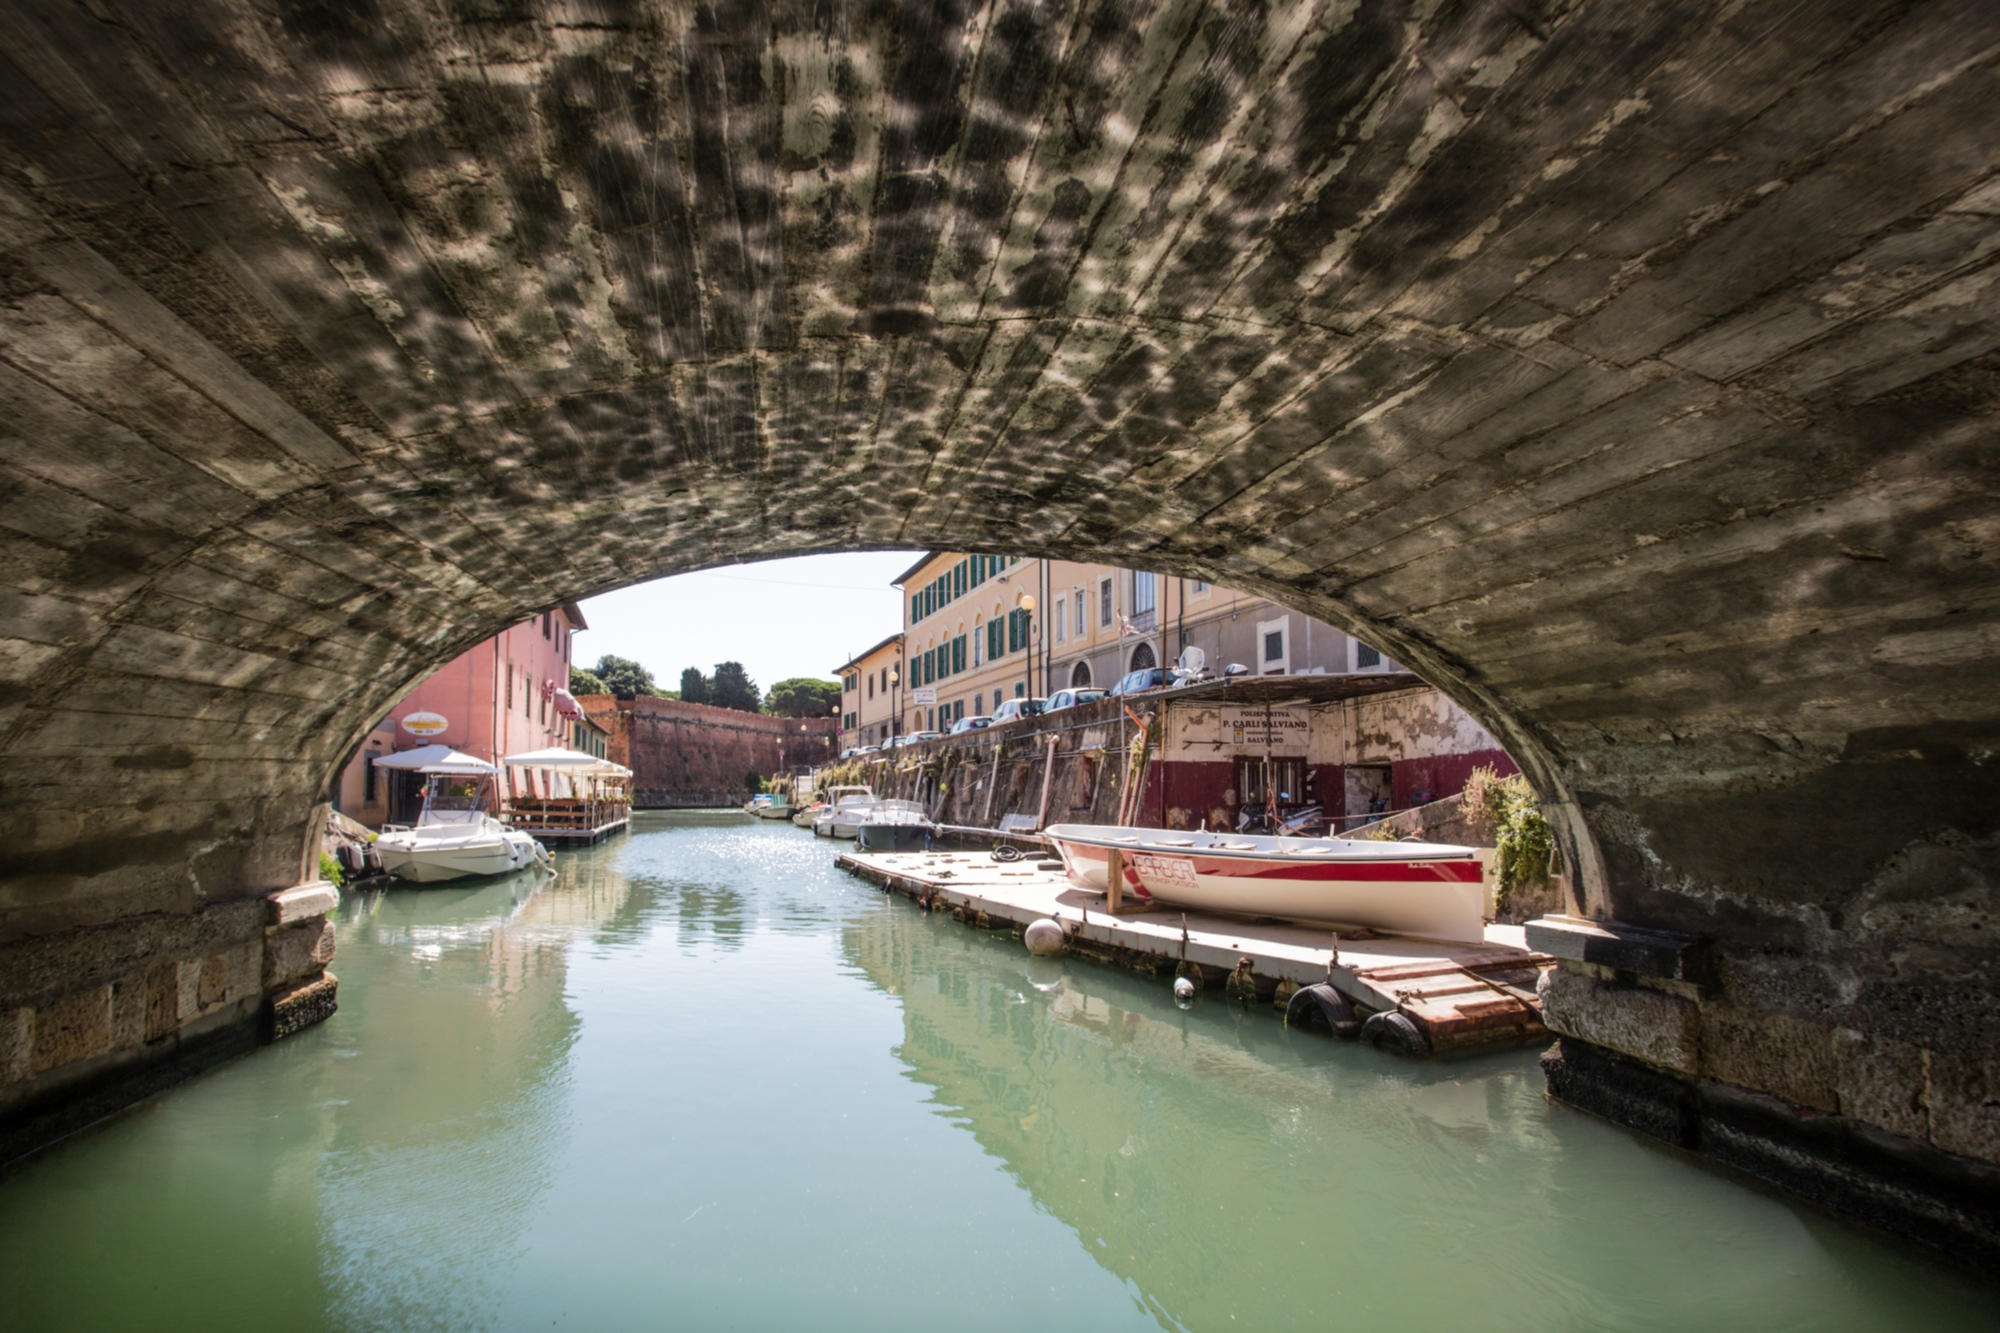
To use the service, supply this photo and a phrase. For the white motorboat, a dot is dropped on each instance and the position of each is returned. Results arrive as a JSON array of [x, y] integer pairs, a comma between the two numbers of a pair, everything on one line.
[[894, 826], [845, 809], [454, 836], [1429, 889]]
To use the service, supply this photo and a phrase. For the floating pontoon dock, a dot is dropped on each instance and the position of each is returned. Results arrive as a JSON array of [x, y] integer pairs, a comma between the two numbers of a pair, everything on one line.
[[1461, 996]]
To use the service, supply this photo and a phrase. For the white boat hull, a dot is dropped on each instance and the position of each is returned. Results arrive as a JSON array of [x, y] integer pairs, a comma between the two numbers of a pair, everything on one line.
[[1431, 890], [435, 860]]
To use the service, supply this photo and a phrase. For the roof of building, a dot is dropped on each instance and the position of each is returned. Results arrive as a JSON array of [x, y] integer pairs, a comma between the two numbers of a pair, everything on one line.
[[1283, 690], [574, 615], [859, 658], [911, 572]]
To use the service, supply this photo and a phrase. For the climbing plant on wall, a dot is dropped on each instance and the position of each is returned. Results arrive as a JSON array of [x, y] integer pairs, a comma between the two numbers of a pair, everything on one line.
[[1523, 843]]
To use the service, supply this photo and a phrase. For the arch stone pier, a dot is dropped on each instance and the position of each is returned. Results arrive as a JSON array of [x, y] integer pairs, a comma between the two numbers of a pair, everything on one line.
[[1629, 369]]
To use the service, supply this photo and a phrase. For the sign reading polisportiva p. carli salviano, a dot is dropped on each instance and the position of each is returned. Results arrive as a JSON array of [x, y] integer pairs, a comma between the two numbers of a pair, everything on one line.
[[1279, 728]]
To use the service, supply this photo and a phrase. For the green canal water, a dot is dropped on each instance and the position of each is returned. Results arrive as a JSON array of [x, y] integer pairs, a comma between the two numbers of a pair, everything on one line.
[[701, 1080]]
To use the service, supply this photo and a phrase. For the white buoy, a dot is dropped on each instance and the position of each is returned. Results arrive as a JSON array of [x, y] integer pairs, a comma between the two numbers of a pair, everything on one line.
[[1183, 992], [1043, 937]]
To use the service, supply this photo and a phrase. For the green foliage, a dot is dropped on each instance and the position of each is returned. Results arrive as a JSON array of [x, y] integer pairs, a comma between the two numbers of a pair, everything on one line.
[[755, 782], [694, 686], [330, 869], [624, 677], [731, 687], [583, 682], [1524, 843], [802, 696]]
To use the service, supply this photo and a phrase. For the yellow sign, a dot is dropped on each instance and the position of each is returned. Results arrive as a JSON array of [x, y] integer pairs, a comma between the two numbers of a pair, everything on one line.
[[425, 724]]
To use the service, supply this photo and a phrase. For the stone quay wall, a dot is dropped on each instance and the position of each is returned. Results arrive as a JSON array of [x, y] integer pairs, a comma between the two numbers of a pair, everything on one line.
[[687, 756]]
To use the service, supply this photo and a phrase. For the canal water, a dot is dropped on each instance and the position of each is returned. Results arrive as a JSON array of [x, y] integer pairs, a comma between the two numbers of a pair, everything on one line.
[[701, 1080]]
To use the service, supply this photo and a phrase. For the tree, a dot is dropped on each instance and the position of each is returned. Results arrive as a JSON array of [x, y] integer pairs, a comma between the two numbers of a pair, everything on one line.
[[694, 686], [583, 682], [802, 696], [624, 677], [731, 687]]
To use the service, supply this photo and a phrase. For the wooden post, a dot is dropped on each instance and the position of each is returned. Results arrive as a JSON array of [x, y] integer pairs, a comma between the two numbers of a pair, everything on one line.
[[1114, 879]]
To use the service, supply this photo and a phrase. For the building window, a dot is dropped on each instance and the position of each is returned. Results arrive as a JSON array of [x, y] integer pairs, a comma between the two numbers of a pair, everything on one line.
[[1061, 625], [1145, 594], [993, 641], [958, 654], [1104, 603], [1194, 588], [979, 704], [1365, 658], [1080, 614], [1020, 689], [368, 780], [1274, 647], [958, 580], [1143, 659], [978, 642], [1079, 676]]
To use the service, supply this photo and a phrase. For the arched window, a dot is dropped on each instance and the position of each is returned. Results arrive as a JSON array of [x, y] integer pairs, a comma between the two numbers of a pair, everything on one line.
[[1143, 659], [978, 641], [1079, 676]]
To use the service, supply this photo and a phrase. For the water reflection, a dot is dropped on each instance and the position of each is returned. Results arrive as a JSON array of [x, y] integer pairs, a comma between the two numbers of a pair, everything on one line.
[[700, 1078], [1237, 1173]]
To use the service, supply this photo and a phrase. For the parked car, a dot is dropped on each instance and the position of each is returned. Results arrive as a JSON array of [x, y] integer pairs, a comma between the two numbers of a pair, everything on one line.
[[1071, 698], [869, 749], [965, 724], [1137, 682], [916, 736], [1013, 710]]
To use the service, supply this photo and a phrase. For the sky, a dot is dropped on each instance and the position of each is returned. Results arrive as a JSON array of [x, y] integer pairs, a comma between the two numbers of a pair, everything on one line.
[[780, 618]]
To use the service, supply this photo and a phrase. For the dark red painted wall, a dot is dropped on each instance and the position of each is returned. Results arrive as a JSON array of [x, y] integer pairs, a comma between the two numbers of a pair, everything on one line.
[[1417, 781]]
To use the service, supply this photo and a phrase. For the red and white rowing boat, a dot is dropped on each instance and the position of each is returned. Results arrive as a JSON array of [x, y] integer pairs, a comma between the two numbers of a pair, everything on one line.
[[1430, 889]]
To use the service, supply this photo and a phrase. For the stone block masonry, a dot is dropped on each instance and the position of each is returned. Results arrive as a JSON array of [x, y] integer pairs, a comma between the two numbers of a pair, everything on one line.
[[687, 756], [95, 1020]]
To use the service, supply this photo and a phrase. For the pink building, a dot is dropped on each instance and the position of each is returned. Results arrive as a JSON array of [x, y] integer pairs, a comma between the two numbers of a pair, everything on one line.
[[505, 696]]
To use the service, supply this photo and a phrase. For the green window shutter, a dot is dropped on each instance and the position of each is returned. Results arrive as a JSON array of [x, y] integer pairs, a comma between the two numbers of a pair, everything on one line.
[[958, 653], [916, 610]]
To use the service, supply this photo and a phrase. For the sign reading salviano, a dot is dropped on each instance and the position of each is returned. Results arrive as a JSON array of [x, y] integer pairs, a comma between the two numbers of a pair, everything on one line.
[[424, 724], [924, 696], [1279, 728]]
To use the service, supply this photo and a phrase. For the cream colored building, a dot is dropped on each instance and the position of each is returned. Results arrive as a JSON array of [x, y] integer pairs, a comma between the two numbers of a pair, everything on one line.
[[869, 685], [978, 630]]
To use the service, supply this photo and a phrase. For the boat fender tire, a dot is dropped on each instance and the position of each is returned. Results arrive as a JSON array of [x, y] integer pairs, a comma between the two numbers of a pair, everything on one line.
[[1321, 1008], [1396, 1031], [350, 859], [1007, 852]]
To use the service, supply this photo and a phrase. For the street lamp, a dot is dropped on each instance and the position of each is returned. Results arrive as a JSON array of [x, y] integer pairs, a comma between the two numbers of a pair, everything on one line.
[[896, 696], [1026, 601]]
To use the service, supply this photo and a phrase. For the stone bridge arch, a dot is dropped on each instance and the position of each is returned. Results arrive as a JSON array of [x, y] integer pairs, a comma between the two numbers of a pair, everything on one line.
[[1627, 369]]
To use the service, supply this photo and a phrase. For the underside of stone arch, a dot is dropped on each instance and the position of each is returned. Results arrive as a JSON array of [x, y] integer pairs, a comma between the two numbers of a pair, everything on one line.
[[1628, 369]]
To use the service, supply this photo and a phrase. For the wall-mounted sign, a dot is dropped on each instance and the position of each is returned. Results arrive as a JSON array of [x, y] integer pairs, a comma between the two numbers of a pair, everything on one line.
[[925, 696], [1276, 727], [425, 724]]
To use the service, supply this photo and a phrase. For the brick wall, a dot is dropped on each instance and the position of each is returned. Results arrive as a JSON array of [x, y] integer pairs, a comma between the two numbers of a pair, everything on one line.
[[686, 756]]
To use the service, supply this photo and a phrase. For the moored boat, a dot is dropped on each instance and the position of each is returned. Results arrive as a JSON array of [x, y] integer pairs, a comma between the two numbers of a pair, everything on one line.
[[768, 807], [1429, 889], [845, 808], [454, 836], [894, 826]]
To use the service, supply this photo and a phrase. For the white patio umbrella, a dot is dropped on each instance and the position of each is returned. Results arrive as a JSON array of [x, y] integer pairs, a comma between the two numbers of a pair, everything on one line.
[[435, 759], [554, 757]]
